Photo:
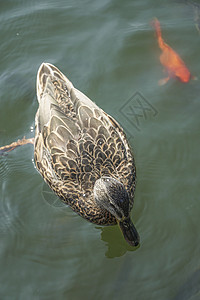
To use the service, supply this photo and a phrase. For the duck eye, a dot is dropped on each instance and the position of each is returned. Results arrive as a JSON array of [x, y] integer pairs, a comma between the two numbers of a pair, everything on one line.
[[119, 214], [112, 206]]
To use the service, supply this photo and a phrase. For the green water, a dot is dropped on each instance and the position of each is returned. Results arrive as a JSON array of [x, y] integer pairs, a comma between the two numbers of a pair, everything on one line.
[[109, 51]]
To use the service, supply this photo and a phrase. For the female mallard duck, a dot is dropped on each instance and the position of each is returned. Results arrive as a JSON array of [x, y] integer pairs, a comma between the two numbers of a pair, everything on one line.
[[83, 154]]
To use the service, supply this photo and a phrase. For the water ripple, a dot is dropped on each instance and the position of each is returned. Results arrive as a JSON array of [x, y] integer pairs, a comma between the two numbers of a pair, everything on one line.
[[11, 224]]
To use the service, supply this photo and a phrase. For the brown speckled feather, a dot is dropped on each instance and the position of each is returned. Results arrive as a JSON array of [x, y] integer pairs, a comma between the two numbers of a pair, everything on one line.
[[76, 143]]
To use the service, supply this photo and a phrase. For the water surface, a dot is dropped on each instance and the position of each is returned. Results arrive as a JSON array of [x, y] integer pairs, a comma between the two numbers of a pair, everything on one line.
[[109, 51]]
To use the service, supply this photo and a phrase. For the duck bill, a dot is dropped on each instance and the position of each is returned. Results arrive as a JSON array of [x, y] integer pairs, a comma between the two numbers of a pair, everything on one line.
[[129, 231]]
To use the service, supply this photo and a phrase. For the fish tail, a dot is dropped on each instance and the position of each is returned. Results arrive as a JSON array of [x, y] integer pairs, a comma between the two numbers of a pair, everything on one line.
[[156, 25]]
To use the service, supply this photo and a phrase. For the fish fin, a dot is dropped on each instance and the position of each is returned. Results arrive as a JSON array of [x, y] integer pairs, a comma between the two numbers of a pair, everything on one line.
[[156, 24], [163, 81], [194, 78]]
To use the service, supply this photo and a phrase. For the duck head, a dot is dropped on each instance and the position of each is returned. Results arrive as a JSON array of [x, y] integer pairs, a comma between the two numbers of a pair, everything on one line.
[[111, 194]]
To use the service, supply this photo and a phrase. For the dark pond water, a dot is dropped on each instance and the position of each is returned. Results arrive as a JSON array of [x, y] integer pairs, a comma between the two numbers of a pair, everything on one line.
[[109, 51]]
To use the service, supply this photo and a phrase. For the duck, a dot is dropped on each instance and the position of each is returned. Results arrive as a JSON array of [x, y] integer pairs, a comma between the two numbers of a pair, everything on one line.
[[83, 154]]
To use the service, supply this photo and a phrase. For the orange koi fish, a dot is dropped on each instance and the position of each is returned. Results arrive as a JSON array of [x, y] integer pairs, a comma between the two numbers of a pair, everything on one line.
[[172, 62]]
